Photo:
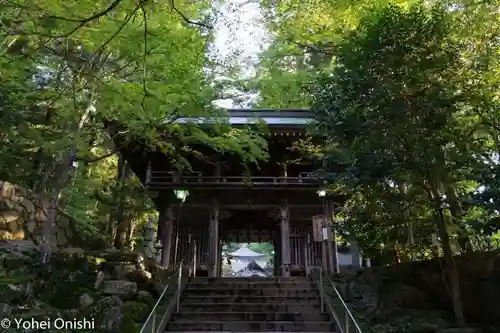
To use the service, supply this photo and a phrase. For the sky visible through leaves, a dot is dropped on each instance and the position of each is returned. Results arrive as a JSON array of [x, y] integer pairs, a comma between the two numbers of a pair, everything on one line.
[[240, 36]]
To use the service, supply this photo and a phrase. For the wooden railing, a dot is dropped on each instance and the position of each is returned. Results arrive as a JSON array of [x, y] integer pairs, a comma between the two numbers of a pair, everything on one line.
[[165, 177]]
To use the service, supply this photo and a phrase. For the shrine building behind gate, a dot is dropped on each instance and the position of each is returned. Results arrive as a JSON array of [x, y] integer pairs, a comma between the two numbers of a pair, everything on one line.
[[275, 203]]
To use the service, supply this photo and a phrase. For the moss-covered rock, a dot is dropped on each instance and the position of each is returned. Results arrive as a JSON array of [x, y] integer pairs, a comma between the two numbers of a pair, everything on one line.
[[107, 314], [128, 325], [136, 310], [145, 297], [12, 294], [65, 288], [63, 281]]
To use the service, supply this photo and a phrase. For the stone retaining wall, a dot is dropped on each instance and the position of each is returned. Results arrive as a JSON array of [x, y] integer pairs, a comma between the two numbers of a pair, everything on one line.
[[22, 217]]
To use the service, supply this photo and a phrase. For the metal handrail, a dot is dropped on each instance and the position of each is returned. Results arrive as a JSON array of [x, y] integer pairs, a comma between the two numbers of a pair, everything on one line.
[[149, 325], [349, 317]]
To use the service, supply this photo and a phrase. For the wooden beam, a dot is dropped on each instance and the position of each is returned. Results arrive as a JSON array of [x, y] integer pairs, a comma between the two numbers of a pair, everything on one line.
[[256, 198], [249, 206]]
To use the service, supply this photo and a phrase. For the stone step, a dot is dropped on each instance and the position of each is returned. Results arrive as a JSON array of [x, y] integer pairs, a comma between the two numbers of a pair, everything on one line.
[[252, 284], [271, 291], [255, 281], [208, 306], [247, 326], [250, 316], [253, 278], [186, 299]]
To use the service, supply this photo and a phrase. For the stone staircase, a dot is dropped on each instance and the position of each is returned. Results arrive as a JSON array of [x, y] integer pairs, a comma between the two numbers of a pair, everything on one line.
[[250, 305]]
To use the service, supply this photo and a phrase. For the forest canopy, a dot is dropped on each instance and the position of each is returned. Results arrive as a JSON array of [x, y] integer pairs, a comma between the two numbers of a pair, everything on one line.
[[405, 94]]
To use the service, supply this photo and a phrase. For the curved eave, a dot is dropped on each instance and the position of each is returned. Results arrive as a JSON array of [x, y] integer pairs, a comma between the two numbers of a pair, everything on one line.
[[235, 121], [273, 118]]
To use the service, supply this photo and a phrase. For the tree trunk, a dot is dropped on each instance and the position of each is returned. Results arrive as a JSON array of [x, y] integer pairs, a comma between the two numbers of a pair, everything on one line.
[[128, 215], [122, 218], [110, 230], [449, 262], [62, 174], [456, 214], [397, 259], [403, 191], [121, 236], [130, 232], [38, 157]]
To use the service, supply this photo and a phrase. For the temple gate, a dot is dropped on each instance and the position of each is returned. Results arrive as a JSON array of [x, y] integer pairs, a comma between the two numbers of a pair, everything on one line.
[[274, 204]]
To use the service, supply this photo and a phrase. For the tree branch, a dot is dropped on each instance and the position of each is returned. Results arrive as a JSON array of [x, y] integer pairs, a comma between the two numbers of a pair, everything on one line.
[[145, 62], [96, 159], [106, 11], [187, 20]]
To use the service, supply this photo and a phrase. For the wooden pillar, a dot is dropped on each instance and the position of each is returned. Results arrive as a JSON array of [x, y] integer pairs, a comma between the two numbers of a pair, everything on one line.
[[324, 254], [166, 236], [147, 178], [355, 255], [333, 252], [284, 172], [214, 239], [217, 171], [307, 244], [285, 238], [160, 231], [277, 253]]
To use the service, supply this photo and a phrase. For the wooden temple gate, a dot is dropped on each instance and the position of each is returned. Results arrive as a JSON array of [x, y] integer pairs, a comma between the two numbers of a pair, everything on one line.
[[264, 221], [275, 203]]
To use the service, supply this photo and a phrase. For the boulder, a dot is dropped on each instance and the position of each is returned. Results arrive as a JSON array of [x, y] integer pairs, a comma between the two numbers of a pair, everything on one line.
[[12, 294], [139, 276], [145, 297], [122, 269], [107, 314], [86, 300], [73, 251], [5, 310], [101, 276], [120, 288], [137, 311], [7, 190]]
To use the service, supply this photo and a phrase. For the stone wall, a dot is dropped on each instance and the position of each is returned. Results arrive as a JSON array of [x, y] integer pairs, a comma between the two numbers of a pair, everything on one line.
[[420, 286], [22, 216], [479, 275]]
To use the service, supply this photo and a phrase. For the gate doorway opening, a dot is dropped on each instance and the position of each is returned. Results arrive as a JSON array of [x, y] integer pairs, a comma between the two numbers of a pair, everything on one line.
[[247, 259]]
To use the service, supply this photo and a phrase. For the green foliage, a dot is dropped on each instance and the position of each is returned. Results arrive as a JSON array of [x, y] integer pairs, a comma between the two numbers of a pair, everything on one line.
[[137, 311], [405, 94], [403, 110], [304, 37], [400, 107], [78, 273], [67, 70]]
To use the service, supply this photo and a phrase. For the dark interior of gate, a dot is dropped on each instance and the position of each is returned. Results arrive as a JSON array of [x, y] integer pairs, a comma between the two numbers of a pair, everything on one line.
[[246, 216], [274, 204]]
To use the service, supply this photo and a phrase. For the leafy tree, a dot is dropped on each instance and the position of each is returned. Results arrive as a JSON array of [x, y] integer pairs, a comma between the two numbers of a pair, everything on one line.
[[69, 70], [399, 110], [304, 36]]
